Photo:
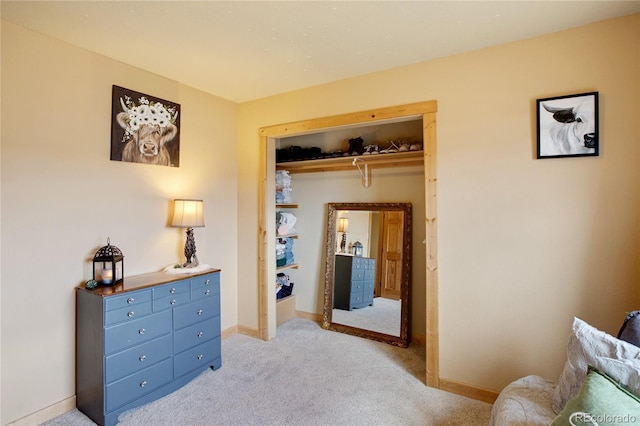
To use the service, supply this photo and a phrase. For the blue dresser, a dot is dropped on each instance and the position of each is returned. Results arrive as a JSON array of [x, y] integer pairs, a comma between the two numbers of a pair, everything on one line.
[[353, 282], [143, 339]]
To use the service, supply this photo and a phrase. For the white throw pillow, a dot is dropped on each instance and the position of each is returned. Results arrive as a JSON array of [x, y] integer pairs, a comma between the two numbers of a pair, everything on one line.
[[624, 371], [587, 343]]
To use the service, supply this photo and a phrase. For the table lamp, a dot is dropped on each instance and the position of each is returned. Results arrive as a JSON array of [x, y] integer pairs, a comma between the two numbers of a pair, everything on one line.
[[188, 214], [343, 226]]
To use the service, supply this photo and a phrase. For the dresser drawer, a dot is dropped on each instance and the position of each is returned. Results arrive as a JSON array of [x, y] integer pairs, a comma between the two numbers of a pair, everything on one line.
[[172, 301], [357, 286], [368, 287], [130, 299], [196, 357], [136, 332], [171, 289], [357, 274], [196, 334], [210, 280], [205, 286], [356, 298], [139, 384], [367, 297], [137, 358], [358, 262], [195, 312], [369, 274], [128, 313]]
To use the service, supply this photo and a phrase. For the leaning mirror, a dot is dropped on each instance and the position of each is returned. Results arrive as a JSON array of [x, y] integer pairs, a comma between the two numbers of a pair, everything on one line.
[[368, 271]]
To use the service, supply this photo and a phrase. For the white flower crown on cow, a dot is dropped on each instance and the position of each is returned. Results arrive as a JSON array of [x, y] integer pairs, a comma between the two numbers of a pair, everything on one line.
[[146, 113]]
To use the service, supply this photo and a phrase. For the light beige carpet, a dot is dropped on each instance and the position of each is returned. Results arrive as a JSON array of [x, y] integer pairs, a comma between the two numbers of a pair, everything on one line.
[[307, 376], [383, 316]]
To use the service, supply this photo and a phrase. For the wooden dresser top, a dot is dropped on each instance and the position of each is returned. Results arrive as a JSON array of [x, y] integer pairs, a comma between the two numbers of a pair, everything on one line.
[[137, 282]]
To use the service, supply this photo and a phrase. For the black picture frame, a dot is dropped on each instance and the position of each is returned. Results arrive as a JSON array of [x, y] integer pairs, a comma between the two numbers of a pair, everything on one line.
[[144, 129], [567, 126]]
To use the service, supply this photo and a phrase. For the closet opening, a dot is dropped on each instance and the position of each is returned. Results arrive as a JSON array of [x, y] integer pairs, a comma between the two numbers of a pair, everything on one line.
[[423, 113]]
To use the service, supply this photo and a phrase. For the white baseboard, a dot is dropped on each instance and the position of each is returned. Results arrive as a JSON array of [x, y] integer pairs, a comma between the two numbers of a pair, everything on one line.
[[48, 413]]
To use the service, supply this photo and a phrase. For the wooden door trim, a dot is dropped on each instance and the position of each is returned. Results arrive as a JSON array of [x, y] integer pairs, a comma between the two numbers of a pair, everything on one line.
[[428, 109]]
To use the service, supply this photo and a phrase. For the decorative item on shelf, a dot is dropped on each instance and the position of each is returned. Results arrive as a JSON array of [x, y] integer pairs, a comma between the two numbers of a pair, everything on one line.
[[188, 214], [357, 249], [91, 284], [108, 265], [343, 226]]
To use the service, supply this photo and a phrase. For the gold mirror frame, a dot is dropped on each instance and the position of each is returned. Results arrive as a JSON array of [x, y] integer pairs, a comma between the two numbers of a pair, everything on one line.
[[403, 339]]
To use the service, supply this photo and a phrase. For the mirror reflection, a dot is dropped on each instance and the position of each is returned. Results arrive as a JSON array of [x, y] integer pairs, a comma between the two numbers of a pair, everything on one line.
[[368, 270]]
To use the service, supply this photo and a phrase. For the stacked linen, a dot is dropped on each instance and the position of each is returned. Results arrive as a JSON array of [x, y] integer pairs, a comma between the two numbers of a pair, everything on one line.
[[284, 287], [284, 252], [285, 223], [288, 251], [283, 187], [281, 246]]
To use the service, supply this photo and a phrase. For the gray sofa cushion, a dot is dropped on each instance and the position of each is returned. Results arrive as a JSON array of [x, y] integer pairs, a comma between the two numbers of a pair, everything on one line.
[[630, 330]]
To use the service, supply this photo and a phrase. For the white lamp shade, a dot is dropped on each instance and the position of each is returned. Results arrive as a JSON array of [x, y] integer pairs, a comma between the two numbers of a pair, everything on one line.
[[188, 214], [343, 224]]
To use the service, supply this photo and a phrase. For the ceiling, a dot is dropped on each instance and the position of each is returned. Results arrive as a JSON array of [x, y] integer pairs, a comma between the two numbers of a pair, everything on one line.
[[245, 50]]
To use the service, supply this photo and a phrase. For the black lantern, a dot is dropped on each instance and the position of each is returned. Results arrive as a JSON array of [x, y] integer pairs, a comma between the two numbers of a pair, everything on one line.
[[108, 265], [357, 249]]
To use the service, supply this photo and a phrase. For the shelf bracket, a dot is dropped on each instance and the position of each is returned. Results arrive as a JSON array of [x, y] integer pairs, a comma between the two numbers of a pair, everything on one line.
[[366, 175]]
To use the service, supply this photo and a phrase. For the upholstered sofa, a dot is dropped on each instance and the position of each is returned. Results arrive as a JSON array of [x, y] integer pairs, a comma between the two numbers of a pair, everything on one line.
[[599, 385]]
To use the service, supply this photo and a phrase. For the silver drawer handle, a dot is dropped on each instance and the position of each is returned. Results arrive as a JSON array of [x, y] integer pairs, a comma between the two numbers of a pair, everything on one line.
[[130, 300], [141, 331], [207, 291], [199, 312], [142, 357], [173, 301], [143, 383], [206, 282], [173, 290], [200, 334], [130, 314], [200, 356]]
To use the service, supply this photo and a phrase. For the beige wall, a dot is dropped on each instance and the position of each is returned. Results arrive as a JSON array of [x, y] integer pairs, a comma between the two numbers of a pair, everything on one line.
[[62, 197], [312, 192], [524, 244]]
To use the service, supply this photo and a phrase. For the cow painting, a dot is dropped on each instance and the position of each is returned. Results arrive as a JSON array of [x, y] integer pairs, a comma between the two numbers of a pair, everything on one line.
[[568, 126], [144, 129]]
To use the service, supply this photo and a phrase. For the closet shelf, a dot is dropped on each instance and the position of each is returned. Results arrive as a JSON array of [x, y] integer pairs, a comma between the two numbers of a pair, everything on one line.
[[396, 159], [291, 266], [287, 236]]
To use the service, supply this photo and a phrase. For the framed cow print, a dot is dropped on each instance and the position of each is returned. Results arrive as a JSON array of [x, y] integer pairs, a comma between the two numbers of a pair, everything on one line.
[[568, 126], [144, 129]]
